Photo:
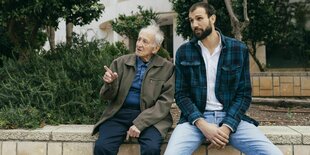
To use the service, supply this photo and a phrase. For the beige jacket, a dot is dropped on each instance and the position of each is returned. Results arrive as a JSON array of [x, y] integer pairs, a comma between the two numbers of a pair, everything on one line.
[[157, 92]]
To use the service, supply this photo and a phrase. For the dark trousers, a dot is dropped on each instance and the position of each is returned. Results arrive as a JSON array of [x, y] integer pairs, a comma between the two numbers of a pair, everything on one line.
[[113, 132]]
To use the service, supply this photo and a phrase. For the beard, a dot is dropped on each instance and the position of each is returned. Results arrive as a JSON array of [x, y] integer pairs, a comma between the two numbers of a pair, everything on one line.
[[205, 33]]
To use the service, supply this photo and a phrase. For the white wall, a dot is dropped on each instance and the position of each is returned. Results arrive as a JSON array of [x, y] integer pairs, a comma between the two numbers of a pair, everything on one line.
[[112, 10]]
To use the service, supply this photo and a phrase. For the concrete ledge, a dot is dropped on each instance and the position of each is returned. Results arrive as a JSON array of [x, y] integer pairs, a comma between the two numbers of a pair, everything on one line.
[[77, 140]]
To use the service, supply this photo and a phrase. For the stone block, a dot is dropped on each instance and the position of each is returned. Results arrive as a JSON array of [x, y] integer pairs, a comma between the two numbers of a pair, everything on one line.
[[0, 147], [297, 81], [305, 92], [286, 79], [305, 82], [297, 91], [286, 89], [255, 81], [276, 81], [126, 148], [304, 131], [21, 134], [201, 150], [54, 148], [286, 149], [302, 149], [265, 93], [31, 148], [276, 91], [265, 83], [281, 135], [8, 148], [74, 133], [77, 148], [255, 91], [228, 150]]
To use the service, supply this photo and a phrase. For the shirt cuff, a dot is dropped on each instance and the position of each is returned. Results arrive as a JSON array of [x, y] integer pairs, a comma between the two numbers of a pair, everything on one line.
[[231, 129], [196, 120]]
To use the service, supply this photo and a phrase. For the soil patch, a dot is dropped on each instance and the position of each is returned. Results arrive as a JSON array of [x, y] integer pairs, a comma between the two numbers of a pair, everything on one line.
[[280, 116], [270, 115]]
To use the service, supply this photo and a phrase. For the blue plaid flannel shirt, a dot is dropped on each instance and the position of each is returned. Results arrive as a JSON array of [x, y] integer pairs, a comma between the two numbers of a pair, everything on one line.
[[232, 88]]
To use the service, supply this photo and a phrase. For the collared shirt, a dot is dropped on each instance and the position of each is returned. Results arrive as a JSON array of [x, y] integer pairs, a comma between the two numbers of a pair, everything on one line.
[[211, 62], [133, 97]]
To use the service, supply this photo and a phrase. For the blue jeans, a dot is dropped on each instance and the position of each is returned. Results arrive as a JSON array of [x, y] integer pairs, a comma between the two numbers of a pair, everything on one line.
[[186, 138]]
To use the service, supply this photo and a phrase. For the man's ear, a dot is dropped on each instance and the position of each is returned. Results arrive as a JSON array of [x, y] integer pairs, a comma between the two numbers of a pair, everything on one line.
[[156, 49], [213, 19]]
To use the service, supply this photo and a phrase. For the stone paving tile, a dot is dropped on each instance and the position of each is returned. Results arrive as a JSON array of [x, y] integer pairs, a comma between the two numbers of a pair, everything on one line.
[[282, 134], [31, 148], [229, 150], [286, 149], [74, 133], [22, 134], [8, 148], [78, 149], [302, 149], [54, 148], [305, 131]]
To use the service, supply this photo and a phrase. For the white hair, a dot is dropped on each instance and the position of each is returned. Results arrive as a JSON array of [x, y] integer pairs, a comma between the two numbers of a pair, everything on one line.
[[154, 29]]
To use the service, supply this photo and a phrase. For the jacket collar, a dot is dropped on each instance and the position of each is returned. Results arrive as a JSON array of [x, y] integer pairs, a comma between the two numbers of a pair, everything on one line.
[[154, 61]]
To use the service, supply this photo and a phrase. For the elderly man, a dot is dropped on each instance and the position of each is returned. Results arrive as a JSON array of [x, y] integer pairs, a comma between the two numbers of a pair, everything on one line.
[[140, 87]]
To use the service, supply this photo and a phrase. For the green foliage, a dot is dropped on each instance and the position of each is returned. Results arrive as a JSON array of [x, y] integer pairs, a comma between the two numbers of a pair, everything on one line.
[[24, 21], [131, 25], [59, 87], [183, 25], [277, 23], [164, 53]]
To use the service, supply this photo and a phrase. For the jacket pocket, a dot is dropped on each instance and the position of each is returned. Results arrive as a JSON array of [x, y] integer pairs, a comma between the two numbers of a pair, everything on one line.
[[191, 72], [231, 69], [230, 76], [153, 90]]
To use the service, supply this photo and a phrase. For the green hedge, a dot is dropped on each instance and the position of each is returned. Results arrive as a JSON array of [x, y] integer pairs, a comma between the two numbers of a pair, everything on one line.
[[56, 87]]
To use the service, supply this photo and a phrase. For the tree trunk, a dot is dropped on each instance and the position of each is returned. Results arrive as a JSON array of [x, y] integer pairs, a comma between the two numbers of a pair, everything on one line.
[[51, 37], [237, 26], [132, 45], [253, 54], [69, 30]]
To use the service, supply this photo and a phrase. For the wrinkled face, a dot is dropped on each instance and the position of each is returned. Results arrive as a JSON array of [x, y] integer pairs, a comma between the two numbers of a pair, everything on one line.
[[201, 24], [146, 46]]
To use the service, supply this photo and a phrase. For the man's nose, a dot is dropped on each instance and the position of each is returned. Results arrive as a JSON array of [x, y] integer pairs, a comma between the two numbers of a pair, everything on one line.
[[194, 23]]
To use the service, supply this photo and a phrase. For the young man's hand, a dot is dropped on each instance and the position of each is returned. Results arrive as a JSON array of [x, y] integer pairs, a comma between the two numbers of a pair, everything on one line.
[[227, 131], [217, 136]]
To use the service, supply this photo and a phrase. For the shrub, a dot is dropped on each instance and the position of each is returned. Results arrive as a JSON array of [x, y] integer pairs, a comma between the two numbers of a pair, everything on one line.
[[56, 87]]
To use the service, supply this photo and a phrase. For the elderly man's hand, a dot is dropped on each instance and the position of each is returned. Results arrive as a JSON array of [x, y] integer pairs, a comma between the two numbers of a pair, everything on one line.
[[109, 75], [133, 132]]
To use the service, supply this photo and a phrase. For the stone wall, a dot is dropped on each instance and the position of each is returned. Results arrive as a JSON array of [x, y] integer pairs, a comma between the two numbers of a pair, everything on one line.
[[76, 140], [280, 84]]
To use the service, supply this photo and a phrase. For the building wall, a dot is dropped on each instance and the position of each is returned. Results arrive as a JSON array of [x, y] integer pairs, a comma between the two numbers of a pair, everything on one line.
[[101, 29]]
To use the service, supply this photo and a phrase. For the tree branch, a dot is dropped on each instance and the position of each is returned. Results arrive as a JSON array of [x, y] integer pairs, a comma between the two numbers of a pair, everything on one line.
[[245, 14], [231, 11]]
